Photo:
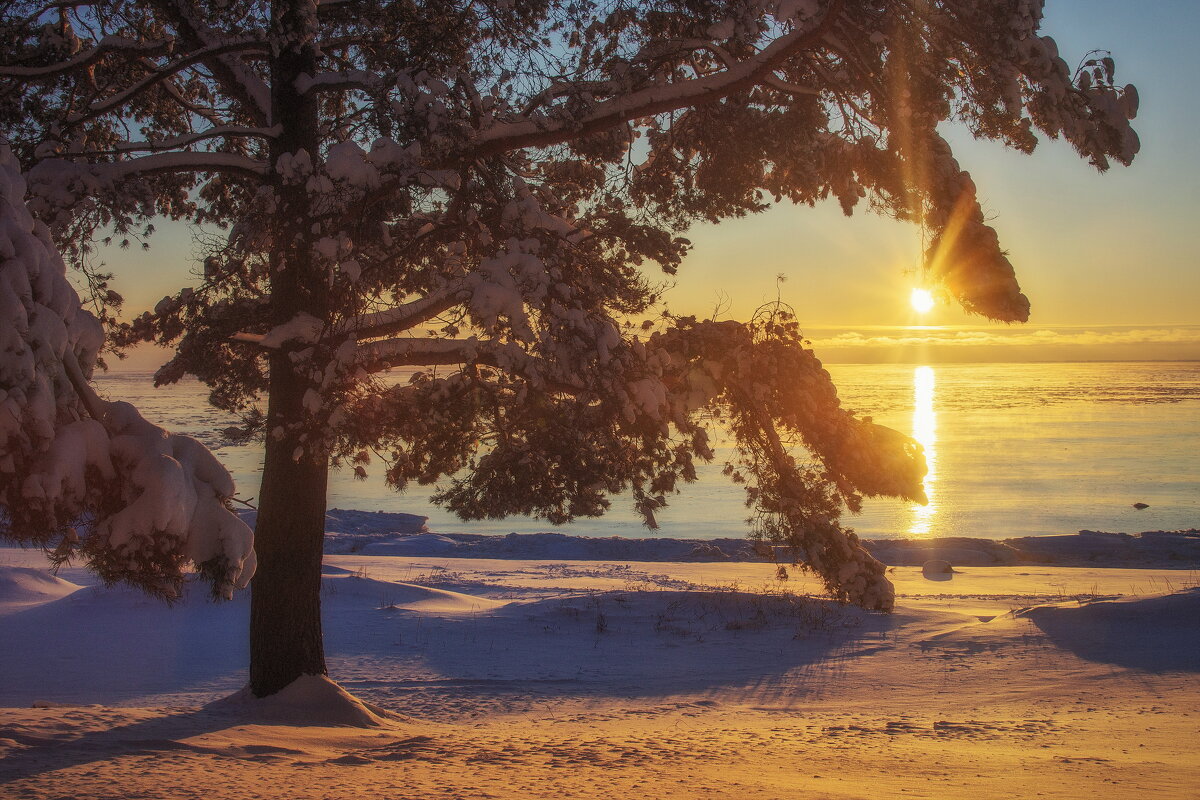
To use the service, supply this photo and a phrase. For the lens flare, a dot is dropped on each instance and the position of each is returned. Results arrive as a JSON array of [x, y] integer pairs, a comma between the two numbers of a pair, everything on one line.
[[922, 301]]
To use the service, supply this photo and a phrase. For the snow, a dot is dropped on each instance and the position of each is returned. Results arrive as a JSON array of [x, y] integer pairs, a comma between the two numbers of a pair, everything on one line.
[[151, 500], [1167, 627], [29, 585], [303, 328], [546, 679], [310, 700]]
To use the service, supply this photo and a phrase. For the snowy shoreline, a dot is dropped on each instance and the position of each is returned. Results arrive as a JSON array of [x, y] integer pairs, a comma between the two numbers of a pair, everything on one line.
[[395, 534], [549, 678], [545, 680]]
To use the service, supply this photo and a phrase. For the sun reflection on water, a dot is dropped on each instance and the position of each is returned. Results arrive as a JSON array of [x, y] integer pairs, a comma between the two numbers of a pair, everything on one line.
[[924, 430]]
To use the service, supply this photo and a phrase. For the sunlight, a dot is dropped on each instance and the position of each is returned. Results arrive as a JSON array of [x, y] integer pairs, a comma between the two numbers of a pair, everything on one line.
[[922, 300], [924, 430]]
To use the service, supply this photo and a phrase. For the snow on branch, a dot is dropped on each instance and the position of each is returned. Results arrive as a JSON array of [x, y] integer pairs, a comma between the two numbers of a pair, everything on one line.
[[509, 358], [180, 161], [107, 45], [305, 329], [185, 140], [405, 317], [389, 353], [86, 478], [342, 81], [228, 163]]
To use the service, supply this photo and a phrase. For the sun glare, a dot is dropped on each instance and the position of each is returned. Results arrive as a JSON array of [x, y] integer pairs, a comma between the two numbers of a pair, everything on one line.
[[924, 430], [922, 301]]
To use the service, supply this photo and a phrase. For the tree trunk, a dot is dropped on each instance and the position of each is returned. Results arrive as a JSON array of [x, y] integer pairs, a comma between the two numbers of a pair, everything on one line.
[[285, 604], [285, 608]]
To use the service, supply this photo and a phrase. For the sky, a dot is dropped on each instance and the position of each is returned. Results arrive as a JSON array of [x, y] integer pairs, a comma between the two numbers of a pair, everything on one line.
[[1110, 262]]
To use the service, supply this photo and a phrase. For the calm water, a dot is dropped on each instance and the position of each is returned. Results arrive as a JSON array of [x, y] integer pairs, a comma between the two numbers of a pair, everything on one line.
[[1014, 449]]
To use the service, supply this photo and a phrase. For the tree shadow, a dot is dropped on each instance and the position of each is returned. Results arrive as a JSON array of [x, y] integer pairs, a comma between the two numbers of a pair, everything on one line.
[[1155, 634], [636, 645], [42, 754], [100, 646], [117, 645]]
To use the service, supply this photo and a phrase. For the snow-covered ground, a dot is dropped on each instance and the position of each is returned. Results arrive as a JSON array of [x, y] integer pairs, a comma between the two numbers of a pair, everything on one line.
[[535, 678]]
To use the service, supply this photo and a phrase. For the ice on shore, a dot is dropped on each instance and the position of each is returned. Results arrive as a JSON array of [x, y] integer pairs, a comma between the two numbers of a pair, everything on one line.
[[395, 534]]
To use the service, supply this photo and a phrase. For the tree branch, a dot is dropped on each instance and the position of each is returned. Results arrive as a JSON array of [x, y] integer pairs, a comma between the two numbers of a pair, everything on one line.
[[185, 161], [404, 317], [654, 100], [381, 356], [235, 80], [109, 44], [176, 142], [91, 401], [341, 81], [163, 72]]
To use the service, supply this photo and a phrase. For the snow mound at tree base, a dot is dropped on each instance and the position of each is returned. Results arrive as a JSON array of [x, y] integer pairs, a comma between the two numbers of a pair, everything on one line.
[[27, 585], [311, 701]]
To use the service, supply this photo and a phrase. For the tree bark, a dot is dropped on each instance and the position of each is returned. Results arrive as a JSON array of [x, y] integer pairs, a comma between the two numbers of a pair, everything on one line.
[[285, 603], [285, 608]]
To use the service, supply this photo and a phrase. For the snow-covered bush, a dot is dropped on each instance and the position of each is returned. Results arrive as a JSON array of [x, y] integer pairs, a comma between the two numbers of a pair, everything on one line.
[[82, 477]]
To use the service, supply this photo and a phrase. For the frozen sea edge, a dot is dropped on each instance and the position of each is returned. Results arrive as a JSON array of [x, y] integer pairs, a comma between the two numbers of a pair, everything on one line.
[[396, 534]]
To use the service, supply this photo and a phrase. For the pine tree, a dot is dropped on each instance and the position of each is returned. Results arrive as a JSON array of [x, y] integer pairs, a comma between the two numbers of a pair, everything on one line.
[[481, 192]]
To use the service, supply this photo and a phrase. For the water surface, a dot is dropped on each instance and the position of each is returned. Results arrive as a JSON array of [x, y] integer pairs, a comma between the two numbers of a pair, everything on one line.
[[1013, 449]]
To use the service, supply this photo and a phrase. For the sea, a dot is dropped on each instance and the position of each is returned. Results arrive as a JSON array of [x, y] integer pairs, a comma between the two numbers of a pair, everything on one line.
[[1013, 449]]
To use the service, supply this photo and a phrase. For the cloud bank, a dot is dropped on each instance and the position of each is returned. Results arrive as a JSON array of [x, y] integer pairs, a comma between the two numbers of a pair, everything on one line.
[[1047, 343]]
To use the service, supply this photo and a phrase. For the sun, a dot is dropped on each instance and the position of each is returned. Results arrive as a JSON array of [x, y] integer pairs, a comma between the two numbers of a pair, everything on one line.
[[922, 301]]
